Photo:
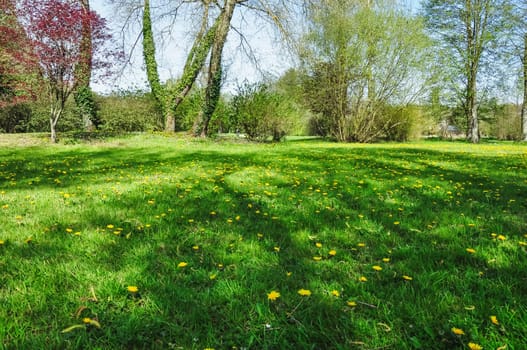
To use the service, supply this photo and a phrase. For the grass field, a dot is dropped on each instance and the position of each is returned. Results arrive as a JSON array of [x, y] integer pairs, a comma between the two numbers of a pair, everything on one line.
[[157, 242]]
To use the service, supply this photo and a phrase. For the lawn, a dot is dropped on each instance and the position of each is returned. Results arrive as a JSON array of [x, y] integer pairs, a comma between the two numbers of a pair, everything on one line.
[[160, 242]]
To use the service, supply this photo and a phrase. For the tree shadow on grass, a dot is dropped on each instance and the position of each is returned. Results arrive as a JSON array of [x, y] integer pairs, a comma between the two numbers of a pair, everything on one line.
[[219, 299]]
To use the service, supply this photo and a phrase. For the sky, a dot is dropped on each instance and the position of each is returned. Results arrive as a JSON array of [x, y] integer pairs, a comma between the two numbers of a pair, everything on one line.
[[271, 56]]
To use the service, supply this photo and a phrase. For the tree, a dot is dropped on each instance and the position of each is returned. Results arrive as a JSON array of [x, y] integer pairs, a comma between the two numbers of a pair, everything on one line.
[[465, 30], [55, 29], [215, 17], [18, 73], [518, 45], [83, 94], [360, 57]]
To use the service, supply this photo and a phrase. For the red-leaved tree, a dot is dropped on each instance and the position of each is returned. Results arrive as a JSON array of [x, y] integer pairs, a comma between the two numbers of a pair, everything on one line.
[[18, 65], [55, 29]]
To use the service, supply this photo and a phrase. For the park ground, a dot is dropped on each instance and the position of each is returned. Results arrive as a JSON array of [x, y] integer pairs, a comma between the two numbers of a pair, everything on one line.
[[155, 241]]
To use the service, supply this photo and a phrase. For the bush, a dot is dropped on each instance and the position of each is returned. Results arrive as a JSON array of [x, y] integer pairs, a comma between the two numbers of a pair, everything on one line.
[[128, 112], [403, 123], [15, 118], [263, 113]]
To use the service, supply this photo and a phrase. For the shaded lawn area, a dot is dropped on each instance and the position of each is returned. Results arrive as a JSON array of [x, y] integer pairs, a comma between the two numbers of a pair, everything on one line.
[[398, 244]]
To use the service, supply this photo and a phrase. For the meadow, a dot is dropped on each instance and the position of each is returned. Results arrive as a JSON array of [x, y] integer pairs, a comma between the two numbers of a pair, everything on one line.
[[158, 242]]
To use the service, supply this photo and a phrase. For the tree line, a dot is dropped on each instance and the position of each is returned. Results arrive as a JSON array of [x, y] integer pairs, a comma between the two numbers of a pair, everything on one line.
[[363, 70]]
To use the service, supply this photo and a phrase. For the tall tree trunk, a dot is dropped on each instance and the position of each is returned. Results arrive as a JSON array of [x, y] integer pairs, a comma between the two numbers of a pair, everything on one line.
[[83, 95], [152, 73], [524, 102], [472, 109], [195, 60], [212, 92]]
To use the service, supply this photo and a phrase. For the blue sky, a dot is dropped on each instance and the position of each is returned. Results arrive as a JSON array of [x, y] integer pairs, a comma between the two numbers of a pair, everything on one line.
[[271, 56]]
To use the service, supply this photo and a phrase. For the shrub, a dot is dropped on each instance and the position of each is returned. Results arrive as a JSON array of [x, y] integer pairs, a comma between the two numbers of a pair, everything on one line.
[[129, 111], [263, 113]]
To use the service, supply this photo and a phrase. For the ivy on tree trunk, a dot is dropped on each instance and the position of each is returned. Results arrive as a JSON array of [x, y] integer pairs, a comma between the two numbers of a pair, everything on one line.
[[212, 92]]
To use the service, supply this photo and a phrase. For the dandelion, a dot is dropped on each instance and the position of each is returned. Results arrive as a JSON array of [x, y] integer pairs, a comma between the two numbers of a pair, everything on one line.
[[182, 264], [332, 252], [273, 295], [474, 346], [212, 276], [377, 268], [470, 250], [407, 278], [318, 245], [502, 237], [69, 230], [351, 303], [304, 292], [335, 293], [276, 249], [195, 247], [361, 245], [110, 226], [132, 289], [2, 242], [259, 235], [386, 260], [289, 274], [363, 279], [212, 213], [457, 331], [522, 243], [494, 320], [396, 223], [317, 258]]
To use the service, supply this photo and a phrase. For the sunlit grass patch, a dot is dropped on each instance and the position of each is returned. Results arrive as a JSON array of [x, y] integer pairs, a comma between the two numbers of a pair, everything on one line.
[[174, 243]]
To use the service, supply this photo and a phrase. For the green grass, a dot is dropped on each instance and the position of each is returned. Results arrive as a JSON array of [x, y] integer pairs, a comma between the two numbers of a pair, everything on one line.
[[81, 223]]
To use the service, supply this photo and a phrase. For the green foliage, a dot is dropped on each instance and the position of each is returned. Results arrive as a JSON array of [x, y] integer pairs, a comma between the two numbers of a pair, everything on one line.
[[15, 118], [82, 223], [403, 123], [129, 111], [262, 113], [359, 58], [87, 106]]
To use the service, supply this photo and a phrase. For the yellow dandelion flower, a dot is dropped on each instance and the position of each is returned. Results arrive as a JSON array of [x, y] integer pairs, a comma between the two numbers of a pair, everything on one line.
[[351, 303], [386, 260], [110, 226], [69, 230], [182, 264], [377, 268], [2, 242], [288, 274], [407, 278], [457, 331], [132, 289], [332, 252], [86, 320], [494, 320], [522, 243], [276, 249], [195, 247], [259, 235], [335, 293], [361, 245], [212, 213], [502, 237], [470, 250], [363, 279], [273, 295], [318, 245], [304, 292], [212, 276], [474, 346], [396, 222], [317, 258]]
